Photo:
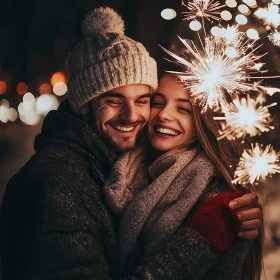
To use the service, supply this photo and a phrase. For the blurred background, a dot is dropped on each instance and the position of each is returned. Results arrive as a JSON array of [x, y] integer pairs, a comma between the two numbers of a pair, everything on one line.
[[36, 37]]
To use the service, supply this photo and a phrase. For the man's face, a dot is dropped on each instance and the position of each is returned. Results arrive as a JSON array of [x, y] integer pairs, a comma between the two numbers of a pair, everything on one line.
[[120, 114]]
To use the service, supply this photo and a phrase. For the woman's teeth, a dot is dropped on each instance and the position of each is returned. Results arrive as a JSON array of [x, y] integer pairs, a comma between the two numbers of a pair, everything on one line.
[[166, 131]]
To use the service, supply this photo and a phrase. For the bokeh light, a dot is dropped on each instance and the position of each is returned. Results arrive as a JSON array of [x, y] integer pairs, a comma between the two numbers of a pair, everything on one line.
[[4, 102], [58, 77], [243, 9], [216, 31], [231, 3], [241, 19], [3, 87], [252, 33], [29, 98], [4, 114], [226, 15], [167, 14], [46, 103], [252, 4], [32, 118], [12, 114], [22, 88], [45, 89], [60, 88], [4, 108], [231, 52], [195, 25]]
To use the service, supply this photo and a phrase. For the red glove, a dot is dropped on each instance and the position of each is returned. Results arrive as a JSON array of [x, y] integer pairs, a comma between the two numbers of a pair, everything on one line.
[[216, 222]]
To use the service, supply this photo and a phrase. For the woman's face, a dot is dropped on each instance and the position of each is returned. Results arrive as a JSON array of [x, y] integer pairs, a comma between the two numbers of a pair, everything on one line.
[[171, 122]]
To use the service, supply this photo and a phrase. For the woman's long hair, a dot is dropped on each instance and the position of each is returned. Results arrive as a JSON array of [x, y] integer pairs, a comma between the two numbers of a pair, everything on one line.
[[225, 155]]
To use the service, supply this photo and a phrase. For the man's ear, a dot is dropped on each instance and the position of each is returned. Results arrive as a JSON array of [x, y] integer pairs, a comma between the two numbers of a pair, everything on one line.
[[84, 109]]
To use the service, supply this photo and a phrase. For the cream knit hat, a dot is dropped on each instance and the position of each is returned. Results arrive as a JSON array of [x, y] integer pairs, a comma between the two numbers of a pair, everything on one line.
[[106, 59]]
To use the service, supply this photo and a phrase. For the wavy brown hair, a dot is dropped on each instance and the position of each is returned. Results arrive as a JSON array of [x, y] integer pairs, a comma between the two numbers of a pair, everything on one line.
[[225, 155]]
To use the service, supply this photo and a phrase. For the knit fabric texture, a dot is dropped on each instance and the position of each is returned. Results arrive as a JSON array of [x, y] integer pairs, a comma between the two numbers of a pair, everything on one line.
[[161, 207], [106, 61]]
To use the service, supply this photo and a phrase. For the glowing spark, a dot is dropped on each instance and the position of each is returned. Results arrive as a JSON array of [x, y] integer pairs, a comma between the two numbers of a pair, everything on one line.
[[256, 164], [202, 9], [232, 35], [258, 66], [269, 90], [244, 117], [274, 38], [212, 76], [270, 15]]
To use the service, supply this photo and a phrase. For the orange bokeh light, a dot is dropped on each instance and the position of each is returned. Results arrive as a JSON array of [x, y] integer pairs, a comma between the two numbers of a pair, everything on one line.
[[45, 88], [3, 87], [58, 77], [22, 88]]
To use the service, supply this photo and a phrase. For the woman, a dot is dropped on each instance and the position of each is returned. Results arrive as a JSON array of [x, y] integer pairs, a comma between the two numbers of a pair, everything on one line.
[[181, 179]]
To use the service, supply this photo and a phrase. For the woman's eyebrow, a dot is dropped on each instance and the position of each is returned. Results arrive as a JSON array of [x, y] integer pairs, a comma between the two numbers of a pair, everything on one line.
[[182, 100]]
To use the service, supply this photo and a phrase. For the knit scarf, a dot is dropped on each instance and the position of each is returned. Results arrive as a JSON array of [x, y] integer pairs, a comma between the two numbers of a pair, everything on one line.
[[154, 200]]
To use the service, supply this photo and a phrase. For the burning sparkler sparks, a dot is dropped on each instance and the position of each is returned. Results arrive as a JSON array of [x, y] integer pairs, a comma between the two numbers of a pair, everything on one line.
[[270, 15], [202, 9], [257, 163], [211, 75], [274, 37], [269, 90], [245, 116]]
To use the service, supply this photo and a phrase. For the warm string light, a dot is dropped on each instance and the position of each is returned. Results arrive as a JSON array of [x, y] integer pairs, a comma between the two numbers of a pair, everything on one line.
[[245, 117], [256, 164]]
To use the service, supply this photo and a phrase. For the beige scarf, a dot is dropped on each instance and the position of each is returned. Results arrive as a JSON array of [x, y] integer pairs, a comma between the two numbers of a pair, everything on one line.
[[154, 201]]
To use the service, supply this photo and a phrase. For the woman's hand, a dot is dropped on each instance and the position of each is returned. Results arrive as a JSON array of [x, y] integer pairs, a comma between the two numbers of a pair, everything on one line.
[[249, 214]]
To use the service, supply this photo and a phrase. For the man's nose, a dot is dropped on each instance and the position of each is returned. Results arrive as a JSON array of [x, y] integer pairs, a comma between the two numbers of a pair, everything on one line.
[[129, 114]]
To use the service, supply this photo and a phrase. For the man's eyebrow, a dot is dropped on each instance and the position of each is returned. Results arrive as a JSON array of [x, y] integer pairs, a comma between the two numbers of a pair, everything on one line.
[[144, 95], [111, 94]]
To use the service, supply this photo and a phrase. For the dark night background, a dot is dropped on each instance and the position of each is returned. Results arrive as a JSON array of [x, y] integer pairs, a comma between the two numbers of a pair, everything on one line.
[[35, 38]]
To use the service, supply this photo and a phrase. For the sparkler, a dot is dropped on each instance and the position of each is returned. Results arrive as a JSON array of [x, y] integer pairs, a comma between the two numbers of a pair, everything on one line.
[[269, 90], [274, 37], [211, 76], [270, 15], [245, 116], [257, 163], [202, 9]]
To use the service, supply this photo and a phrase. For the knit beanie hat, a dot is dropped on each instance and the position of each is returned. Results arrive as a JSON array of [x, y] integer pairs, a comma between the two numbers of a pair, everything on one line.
[[106, 59]]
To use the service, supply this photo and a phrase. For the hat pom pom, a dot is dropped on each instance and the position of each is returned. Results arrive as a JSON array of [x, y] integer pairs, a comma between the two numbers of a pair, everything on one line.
[[102, 20]]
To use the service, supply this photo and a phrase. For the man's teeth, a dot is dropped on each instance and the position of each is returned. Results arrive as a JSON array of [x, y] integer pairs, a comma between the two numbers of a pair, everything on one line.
[[167, 131], [124, 128]]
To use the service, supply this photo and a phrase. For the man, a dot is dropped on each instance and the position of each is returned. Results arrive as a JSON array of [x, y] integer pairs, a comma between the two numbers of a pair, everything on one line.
[[55, 222]]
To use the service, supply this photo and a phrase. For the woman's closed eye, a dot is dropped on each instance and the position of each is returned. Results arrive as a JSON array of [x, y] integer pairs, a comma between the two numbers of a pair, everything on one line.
[[184, 110]]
